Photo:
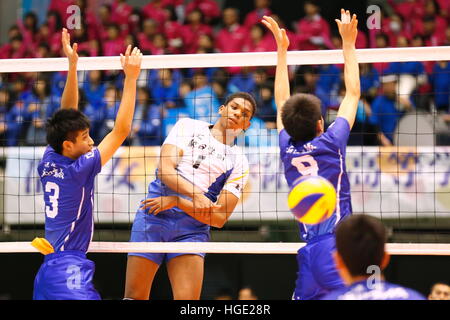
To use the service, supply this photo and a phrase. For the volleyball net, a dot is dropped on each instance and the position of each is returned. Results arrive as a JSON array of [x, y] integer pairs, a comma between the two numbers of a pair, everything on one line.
[[398, 158]]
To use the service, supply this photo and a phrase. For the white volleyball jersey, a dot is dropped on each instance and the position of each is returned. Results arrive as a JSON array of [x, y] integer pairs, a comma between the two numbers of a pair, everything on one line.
[[207, 163]]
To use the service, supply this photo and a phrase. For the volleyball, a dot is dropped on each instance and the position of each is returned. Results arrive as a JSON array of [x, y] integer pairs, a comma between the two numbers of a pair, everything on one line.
[[312, 199]]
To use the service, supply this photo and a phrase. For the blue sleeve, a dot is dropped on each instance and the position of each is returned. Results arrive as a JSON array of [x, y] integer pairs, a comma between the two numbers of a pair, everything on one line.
[[86, 166], [283, 139], [338, 133]]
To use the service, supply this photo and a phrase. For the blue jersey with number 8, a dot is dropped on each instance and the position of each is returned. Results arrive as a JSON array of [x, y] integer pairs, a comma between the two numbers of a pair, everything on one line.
[[69, 197], [323, 156]]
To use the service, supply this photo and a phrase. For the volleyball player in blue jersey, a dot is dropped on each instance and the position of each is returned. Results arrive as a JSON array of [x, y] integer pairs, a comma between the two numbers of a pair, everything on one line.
[[306, 149], [360, 244], [67, 172]]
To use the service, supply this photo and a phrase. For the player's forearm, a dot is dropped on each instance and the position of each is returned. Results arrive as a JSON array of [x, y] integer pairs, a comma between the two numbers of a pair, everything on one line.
[[282, 89], [351, 71], [125, 114], [171, 178], [69, 99], [215, 218]]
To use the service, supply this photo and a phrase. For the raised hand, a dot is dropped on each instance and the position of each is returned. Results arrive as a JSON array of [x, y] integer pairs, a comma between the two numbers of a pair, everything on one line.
[[348, 27], [279, 34], [131, 62], [70, 52]]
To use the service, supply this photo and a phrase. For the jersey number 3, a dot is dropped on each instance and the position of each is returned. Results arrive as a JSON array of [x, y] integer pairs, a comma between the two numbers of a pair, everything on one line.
[[306, 165], [52, 210]]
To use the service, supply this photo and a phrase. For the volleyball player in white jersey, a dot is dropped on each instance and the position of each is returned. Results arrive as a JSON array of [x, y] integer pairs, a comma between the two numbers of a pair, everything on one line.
[[199, 180]]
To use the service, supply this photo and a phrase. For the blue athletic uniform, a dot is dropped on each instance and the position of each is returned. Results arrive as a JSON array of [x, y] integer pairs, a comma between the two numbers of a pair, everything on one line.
[[365, 290], [68, 188], [323, 156], [209, 165]]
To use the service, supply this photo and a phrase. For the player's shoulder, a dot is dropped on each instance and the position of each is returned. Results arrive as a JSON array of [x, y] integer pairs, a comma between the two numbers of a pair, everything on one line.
[[193, 123]]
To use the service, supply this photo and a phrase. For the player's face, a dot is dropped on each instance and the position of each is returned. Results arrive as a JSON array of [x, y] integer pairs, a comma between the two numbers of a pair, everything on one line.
[[83, 144], [237, 114], [440, 292]]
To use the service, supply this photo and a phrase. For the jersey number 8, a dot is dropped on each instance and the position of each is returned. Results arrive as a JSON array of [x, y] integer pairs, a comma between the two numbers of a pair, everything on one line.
[[306, 165]]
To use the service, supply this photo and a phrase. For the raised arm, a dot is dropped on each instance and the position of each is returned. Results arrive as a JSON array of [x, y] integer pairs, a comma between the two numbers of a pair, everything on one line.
[[131, 64], [282, 90], [349, 31], [69, 99]]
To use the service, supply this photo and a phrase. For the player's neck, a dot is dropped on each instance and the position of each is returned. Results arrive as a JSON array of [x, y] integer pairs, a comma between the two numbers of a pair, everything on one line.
[[224, 135], [66, 154], [356, 279]]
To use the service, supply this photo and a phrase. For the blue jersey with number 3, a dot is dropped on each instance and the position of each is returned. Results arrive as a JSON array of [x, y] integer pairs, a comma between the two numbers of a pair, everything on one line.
[[323, 156], [69, 197]]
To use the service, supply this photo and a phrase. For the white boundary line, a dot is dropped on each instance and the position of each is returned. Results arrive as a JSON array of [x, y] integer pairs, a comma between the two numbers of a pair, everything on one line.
[[252, 59], [437, 249]]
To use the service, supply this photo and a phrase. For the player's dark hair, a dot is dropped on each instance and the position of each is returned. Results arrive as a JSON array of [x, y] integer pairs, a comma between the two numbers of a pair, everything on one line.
[[360, 241], [243, 95], [300, 114], [65, 125]]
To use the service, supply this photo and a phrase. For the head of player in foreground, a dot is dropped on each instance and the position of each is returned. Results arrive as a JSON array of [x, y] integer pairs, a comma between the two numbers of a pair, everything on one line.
[[360, 243]]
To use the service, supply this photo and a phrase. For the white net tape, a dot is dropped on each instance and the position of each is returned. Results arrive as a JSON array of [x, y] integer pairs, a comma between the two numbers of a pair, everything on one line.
[[258, 59], [435, 249]]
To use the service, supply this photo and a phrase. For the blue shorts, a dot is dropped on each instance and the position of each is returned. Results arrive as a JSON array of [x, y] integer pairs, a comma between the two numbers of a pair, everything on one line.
[[168, 226], [317, 273], [65, 275]]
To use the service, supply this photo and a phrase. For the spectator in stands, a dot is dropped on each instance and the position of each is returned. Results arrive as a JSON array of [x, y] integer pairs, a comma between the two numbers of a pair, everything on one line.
[[439, 291], [306, 80], [313, 31], [113, 46], [110, 107], [4, 107], [327, 86], [386, 111], [54, 23], [201, 102], [209, 8], [40, 105], [232, 37], [103, 21], [193, 29], [165, 87], [60, 6], [433, 36], [149, 30], [370, 81], [15, 49], [258, 40], [146, 130], [243, 81], [262, 8], [171, 113], [440, 82], [120, 15], [381, 41], [28, 29], [266, 105], [155, 11], [408, 9], [17, 121], [172, 30]]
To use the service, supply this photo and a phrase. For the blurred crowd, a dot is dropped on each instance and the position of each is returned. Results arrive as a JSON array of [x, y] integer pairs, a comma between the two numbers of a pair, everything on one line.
[[389, 90]]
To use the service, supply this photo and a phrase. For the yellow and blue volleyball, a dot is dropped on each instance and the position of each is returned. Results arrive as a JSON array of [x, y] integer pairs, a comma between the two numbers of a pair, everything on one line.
[[312, 199]]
